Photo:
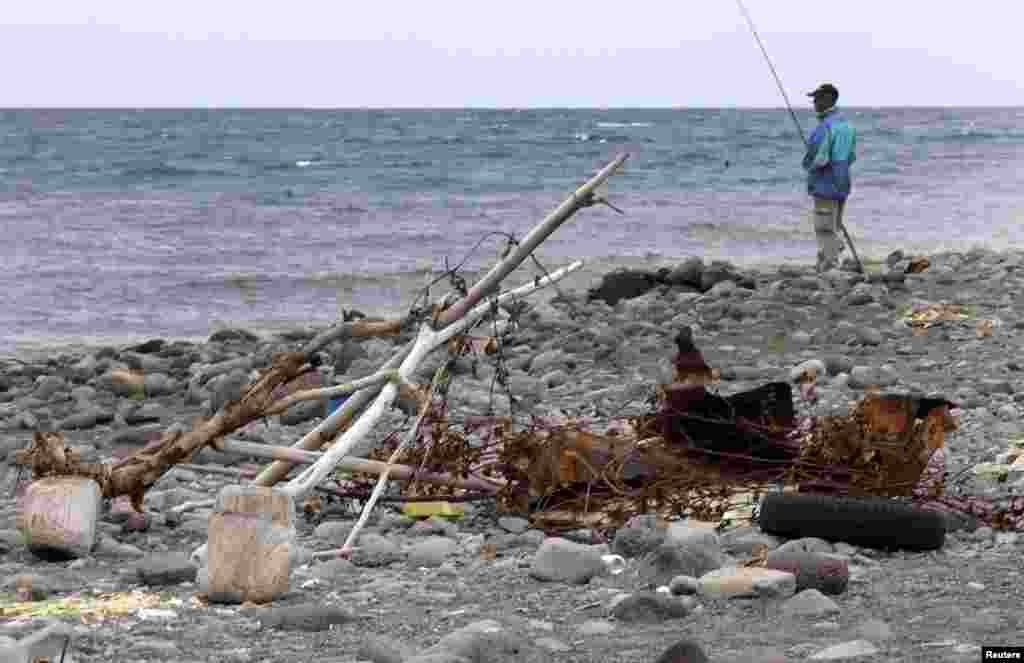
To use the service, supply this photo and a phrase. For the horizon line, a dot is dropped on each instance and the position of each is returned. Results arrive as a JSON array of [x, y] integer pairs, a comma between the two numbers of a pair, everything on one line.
[[4, 108]]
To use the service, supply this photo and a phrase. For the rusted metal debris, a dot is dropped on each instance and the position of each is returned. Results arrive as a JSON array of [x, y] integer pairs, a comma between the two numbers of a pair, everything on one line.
[[881, 448], [699, 453], [690, 457], [918, 264], [689, 364], [696, 453]]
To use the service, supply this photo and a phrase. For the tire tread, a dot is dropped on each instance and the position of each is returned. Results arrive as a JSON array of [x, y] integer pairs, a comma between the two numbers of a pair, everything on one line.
[[874, 522]]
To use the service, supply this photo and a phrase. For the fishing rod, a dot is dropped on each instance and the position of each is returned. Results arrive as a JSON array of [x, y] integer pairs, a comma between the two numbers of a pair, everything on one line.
[[778, 81], [792, 113]]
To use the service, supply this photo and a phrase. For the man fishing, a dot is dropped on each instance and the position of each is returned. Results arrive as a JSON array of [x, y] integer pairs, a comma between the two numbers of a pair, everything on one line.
[[831, 150]]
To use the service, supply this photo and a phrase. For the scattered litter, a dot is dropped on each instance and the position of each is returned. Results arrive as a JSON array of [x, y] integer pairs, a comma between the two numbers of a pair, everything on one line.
[[712, 457], [427, 509], [155, 613], [939, 644], [991, 471], [918, 264], [923, 316], [614, 564], [90, 609]]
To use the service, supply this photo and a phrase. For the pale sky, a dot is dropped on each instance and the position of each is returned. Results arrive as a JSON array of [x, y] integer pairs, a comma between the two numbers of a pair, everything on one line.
[[524, 53]]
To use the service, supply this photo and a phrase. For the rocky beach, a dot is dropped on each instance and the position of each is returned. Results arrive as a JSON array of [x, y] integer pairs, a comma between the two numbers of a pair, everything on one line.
[[486, 587]]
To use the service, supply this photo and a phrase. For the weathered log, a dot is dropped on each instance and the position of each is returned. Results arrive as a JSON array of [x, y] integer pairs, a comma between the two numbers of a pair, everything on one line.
[[342, 417], [134, 474], [327, 429], [382, 479], [374, 380], [351, 464], [582, 197], [426, 342], [357, 329], [217, 469]]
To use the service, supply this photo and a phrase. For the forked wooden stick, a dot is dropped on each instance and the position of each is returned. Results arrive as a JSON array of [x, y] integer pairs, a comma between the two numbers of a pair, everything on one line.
[[327, 429]]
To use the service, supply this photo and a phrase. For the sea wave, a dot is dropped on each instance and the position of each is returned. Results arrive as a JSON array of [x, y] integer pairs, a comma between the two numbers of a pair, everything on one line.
[[624, 125], [955, 134], [708, 231], [598, 137], [163, 171], [498, 153], [273, 166], [384, 194]]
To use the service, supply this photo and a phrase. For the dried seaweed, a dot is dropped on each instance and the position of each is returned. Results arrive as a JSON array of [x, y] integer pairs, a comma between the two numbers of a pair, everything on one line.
[[697, 454]]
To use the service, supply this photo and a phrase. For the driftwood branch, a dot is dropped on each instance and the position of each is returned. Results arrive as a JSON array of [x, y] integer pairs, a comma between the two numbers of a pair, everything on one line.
[[582, 197], [426, 342], [357, 329], [374, 380], [343, 416], [382, 479], [134, 474], [327, 429], [353, 464]]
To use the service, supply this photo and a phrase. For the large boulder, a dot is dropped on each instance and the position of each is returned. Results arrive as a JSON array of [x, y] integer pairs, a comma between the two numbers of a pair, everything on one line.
[[719, 271], [638, 538], [561, 560], [484, 641], [651, 607], [166, 569], [233, 335], [687, 273], [623, 284], [47, 386], [687, 557]]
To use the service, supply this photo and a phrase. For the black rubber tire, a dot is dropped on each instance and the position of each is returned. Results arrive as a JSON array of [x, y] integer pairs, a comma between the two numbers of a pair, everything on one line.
[[873, 522]]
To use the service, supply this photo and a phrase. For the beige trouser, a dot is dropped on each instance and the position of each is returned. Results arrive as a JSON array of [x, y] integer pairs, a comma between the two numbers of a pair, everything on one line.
[[827, 217]]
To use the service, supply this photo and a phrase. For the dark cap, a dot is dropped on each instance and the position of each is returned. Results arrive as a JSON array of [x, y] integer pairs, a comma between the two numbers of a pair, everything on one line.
[[825, 88]]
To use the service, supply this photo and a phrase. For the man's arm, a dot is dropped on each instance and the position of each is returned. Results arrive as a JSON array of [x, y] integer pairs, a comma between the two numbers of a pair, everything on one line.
[[824, 154]]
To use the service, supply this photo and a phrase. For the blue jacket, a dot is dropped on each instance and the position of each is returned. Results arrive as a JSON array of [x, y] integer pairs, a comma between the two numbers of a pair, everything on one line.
[[831, 150]]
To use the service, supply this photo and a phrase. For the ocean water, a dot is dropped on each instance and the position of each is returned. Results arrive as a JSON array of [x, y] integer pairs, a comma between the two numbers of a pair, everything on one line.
[[125, 224]]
